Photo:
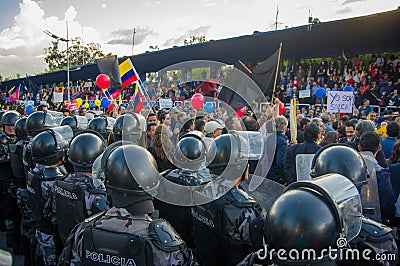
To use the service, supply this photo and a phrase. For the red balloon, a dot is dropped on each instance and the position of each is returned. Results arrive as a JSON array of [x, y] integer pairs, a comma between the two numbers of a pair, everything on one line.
[[241, 111], [103, 81], [197, 101], [281, 108]]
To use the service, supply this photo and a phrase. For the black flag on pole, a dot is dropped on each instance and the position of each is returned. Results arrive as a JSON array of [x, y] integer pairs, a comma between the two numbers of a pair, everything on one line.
[[109, 65], [238, 89]]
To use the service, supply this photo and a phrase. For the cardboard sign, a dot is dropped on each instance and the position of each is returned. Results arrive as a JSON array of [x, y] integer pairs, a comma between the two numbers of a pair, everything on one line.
[[304, 93], [340, 101], [165, 103], [58, 97]]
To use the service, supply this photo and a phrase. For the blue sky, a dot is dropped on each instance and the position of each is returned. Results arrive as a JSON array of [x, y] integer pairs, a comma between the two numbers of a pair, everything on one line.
[[158, 22]]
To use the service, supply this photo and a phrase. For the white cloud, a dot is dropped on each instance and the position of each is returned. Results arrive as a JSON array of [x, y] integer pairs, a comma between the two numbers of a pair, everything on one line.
[[25, 38]]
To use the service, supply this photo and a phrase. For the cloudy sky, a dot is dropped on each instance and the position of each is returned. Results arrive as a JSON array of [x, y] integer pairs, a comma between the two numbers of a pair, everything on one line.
[[158, 22]]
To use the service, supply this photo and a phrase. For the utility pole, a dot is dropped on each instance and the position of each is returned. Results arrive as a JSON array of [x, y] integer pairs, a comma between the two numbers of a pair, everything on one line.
[[276, 18], [133, 39]]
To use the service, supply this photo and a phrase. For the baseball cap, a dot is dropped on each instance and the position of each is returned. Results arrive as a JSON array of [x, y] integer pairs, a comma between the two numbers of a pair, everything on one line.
[[212, 126]]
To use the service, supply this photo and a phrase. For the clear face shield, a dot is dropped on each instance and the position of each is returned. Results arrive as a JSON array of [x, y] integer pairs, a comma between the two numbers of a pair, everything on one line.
[[343, 196], [53, 119], [251, 144], [82, 122], [63, 135], [110, 123]]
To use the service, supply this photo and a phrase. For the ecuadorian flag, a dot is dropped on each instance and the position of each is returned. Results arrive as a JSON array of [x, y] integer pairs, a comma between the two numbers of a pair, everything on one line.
[[127, 73], [138, 100]]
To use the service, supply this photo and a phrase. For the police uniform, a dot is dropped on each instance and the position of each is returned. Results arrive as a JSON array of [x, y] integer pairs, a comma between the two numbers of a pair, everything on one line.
[[8, 185], [39, 184], [119, 238], [75, 198], [223, 229]]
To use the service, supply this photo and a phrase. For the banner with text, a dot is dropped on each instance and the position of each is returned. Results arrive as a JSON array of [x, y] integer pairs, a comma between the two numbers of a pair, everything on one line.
[[340, 101]]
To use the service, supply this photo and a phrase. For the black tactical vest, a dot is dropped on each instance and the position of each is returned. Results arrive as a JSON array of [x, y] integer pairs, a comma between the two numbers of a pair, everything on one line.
[[211, 233], [101, 246], [36, 199]]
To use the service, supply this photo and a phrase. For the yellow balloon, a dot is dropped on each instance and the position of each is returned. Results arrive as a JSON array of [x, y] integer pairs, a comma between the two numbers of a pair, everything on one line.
[[86, 105], [97, 102], [79, 101]]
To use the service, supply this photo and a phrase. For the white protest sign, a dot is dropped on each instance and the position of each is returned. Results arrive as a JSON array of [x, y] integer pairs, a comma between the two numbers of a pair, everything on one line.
[[165, 103], [58, 97], [304, 93], [340, 101]]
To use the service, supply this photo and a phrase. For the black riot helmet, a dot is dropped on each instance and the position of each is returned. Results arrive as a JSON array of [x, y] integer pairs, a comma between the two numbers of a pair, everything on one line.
[[190, 151], [227, 156], [131, 183], [84, 148], [48, 147], [38, 122], [341, 159], [9, 118], [70, 121], [127, 128], [100, 125], [19, 128], [294, 223]]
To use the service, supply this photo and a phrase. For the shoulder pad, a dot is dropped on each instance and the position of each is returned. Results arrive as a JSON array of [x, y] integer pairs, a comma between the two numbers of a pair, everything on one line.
[[164, 236], [371, 229], [241, 198], [52, 173], [93, 217], [3, 138], [177, 177]]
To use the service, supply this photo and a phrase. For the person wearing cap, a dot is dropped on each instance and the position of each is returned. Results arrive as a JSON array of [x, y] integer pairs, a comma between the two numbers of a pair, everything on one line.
[[213, 129], [364, 109]]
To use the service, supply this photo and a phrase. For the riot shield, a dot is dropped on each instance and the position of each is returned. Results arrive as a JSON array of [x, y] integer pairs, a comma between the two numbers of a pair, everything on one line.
[[303, 166], [369, 193], [266, 193], [16, 161]]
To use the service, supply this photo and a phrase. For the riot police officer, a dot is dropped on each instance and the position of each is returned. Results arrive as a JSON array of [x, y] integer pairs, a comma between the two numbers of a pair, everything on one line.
[[79, 195], [8, 184], [225, 230], [48, 150], [72, 122], [102, 125], [127, 128], [348, 162], [36, 123], [126, 234], [189, 154]]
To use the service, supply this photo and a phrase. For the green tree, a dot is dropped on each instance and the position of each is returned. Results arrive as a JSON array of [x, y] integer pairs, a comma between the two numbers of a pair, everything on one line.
[[79, 54], [194, 40], [316, 20], [154, 48]]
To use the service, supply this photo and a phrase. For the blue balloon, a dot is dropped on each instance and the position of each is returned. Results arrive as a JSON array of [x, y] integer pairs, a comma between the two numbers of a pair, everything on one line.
[[29, 109], [348, 88], [209, 107], [105, 103], [320, 93], [92, 105]]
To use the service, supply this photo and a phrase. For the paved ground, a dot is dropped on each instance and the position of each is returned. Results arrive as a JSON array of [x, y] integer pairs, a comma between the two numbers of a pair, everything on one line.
[[17, 260]]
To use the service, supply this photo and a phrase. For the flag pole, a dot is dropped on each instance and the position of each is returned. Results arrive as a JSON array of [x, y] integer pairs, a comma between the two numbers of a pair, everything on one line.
[[144, 92], [276, 72]]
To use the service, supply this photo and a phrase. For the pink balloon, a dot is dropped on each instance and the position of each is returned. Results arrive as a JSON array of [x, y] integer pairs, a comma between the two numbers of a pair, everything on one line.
[[197, 101], [103, 81]]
